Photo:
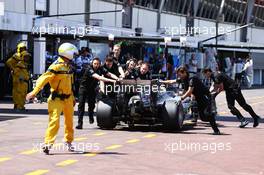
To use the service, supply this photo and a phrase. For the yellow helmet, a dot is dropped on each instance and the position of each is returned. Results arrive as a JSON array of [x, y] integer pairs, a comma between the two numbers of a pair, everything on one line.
[[21, 45], [67, 50]]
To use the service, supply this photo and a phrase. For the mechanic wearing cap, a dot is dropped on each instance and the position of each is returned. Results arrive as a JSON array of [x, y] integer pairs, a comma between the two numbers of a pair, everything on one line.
[[60, 77], [194, 86], [11, 63], [88, 89], [233, 93]]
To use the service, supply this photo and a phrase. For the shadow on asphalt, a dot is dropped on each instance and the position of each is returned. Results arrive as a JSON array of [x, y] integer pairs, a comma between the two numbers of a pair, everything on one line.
[[31, 111], [6, 102], [5, 118], [234, 119], [187, 129]]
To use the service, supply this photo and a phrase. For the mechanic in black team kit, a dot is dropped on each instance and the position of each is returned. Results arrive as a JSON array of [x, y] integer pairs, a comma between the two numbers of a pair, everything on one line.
[[233, 93], [194, 86], [89, 82]]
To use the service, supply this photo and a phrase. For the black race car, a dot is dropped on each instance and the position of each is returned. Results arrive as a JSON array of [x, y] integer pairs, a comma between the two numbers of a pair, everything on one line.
[[140, 102]]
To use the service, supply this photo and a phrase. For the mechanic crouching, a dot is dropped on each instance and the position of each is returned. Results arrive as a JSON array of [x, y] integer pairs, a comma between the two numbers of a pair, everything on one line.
[[201, 94], [88, 86]]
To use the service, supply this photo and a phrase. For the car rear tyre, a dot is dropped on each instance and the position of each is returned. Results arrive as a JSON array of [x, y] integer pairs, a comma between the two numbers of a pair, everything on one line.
[[173, 115], [104, 114]]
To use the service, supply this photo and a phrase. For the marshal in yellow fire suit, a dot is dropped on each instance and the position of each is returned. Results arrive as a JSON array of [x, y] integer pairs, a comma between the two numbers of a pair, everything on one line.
[[60, 78], [20, 80], [11, 63]]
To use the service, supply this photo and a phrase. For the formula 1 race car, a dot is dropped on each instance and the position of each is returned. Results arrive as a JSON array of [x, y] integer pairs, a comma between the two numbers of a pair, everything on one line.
[[140, 102]]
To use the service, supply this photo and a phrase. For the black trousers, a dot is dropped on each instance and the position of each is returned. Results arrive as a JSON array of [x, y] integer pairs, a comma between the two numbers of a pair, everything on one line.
[[77, 79], [236, 95], [86, 95], [205, 112]]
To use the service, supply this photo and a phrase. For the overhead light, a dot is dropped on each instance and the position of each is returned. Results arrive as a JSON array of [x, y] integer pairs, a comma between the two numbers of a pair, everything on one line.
[[111, 37], [183, 40], [167, 39]]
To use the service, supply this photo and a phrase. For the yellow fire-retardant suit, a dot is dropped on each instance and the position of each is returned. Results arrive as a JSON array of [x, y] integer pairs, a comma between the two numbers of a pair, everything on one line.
[[11, 63], [60, 78], [20, 80]]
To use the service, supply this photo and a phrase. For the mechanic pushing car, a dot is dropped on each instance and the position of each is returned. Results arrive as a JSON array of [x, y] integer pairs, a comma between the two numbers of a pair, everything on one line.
[[89, 83], [143, 73], [194, 86], [233, 93]]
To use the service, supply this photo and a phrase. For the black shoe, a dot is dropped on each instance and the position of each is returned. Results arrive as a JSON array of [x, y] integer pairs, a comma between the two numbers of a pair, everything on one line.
[[244, 123], [217, 132], [256, 122], [46, 149], [79, 126], [194, 120], [91, 119], [194, 117]]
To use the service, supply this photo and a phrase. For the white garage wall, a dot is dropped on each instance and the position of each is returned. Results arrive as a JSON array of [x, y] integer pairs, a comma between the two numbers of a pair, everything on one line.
[[30, 7], [234, 36], [14, 6], [108, 18], [70, 6], [145, 19], [205, 32], [168, 20], [255, 35], [16, 22]]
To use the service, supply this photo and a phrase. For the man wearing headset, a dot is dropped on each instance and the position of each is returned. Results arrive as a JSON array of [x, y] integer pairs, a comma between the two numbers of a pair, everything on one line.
[[88, 85]]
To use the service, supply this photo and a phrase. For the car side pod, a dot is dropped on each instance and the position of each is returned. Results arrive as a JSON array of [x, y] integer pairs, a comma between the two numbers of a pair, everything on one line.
[[173, 115], [104, 113]]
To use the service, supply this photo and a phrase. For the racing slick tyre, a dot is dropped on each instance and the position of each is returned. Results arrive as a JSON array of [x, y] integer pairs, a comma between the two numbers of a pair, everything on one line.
[[104, 114], [173, 115]]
